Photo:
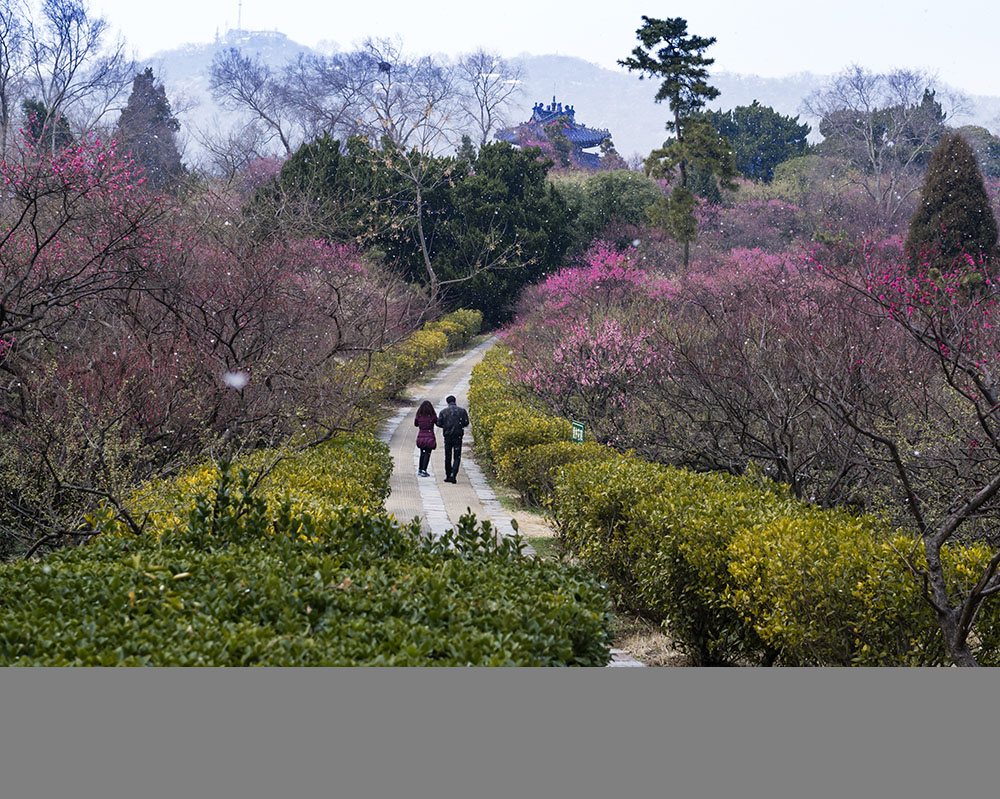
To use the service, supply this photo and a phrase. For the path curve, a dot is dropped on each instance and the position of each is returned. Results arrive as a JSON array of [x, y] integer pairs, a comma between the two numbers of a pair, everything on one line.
[[437, 504]]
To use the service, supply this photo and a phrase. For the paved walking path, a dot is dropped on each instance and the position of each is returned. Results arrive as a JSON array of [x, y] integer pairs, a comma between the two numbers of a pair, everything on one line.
[[438, 504]]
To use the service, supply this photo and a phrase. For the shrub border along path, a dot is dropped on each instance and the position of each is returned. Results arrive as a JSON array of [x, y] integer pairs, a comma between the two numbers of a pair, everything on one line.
[[438, 504]]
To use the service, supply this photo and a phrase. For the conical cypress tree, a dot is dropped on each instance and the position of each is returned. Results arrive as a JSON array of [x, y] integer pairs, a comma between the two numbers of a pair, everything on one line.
[[147, 128], [954, 217]]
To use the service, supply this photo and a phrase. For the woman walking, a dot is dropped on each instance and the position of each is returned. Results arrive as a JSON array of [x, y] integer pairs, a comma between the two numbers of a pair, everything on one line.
[[426, 440]]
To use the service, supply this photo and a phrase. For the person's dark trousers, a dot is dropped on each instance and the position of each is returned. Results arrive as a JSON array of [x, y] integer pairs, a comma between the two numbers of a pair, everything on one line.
[[425, 459], [452, 457]]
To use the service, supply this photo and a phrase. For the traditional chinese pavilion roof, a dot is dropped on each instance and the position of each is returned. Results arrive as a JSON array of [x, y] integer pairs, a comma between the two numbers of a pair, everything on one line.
[[579, 135]]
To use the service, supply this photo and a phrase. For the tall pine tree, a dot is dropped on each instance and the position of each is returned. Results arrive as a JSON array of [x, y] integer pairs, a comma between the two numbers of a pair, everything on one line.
[[147, 128], [954, 217], [667, 52]]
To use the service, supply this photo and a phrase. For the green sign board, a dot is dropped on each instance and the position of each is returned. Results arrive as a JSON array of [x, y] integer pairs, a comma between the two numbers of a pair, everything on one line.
[[578, 432]]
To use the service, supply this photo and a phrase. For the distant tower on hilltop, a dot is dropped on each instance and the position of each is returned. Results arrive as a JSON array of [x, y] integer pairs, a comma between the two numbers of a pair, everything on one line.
[[580, 136]]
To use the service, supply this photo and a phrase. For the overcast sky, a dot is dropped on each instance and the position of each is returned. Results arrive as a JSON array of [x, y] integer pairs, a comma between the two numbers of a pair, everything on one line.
[[958, 40]]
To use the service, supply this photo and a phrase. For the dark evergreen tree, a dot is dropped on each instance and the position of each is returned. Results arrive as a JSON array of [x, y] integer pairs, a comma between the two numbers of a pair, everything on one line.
[[466, 151], [505, 227], [43, 130], [147, 129], [492, 223], [331, 190], [954, 217], [667, 52], [761, 138]]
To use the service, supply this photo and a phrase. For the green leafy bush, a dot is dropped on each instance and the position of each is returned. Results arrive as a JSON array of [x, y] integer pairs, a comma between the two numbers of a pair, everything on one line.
[[532, 470], [241, 583], [490, 397], [504, 418], [388, 372], [516, 434], [347, 470], [825, 587], [458, 326], [743, 572]]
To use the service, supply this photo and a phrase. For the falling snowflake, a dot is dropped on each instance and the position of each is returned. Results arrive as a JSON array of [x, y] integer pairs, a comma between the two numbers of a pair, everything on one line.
[[235, 380]]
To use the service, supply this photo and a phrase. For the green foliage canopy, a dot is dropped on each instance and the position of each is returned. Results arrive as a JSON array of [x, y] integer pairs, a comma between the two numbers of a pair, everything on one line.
[[761, 138], [605, 199], [490, 220]]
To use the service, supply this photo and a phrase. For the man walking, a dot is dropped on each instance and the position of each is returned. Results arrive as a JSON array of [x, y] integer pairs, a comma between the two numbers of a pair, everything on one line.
[[452, 420]]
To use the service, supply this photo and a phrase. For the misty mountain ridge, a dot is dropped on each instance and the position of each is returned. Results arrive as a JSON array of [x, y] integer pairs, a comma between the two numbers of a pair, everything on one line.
[[603, 98]]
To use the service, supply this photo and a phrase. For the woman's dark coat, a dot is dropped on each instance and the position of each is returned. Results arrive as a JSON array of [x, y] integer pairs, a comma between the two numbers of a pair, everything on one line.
[[426, 438]]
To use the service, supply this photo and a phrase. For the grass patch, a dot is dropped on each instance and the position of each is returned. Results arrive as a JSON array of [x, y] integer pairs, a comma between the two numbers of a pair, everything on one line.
[[547, 547]]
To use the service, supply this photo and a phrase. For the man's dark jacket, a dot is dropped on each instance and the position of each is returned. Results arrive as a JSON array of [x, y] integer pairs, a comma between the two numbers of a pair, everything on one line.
[[453, 420]]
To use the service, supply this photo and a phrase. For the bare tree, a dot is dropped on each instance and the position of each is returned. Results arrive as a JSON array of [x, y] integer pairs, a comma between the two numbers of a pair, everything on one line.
[[885, 126], [73, 71], [489, 84], [13, 64], [244, 83], [228, 151], [409, 102], [410, 109], [324, 93]]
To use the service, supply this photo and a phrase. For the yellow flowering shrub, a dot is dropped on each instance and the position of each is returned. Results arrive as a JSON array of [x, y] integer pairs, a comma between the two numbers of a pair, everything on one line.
[[351, 470]]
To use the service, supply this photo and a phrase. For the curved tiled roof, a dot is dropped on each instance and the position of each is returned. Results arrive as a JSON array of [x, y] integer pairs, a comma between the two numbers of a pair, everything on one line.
[[542, 115]]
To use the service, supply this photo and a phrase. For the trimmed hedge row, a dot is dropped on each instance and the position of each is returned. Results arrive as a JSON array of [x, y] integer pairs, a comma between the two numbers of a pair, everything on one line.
[[740, 569], [241, 583], [522, 442], [351, 470], [398, 366]]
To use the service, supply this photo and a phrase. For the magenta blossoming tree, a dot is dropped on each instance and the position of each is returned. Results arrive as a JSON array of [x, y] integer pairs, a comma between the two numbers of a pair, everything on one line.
[[122, 311], [953, 337]]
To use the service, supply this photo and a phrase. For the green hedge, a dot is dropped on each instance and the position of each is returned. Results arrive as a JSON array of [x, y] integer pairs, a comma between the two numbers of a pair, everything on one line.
[[743, 572], [244, 583], [516, 435], [491, 397], [458, 326], [739, 569], [533, 470], [351, 470], [401, 364]]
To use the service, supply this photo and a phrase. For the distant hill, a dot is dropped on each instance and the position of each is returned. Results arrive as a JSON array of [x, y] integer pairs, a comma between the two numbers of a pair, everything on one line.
[[603, 98]]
